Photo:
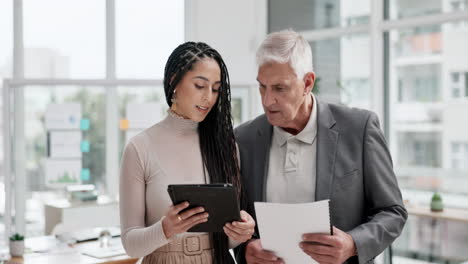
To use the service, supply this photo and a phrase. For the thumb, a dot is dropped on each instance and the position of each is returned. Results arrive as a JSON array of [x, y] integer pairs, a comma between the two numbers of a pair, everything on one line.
[[244, 216]]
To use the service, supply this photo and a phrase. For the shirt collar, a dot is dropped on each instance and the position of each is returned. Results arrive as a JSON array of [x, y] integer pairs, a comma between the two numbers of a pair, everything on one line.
[[307, 135]]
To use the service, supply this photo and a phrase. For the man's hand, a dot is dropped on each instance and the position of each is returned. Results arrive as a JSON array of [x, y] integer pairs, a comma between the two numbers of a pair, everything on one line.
[[255, 254], [327, 249]]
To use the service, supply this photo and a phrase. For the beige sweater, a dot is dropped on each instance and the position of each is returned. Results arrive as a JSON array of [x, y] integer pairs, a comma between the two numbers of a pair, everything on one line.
[[166, 153]]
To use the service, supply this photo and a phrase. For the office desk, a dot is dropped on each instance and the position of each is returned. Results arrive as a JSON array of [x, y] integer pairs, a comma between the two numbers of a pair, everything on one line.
[[451, 214], [438, 234], [73, 215], [64, 254]]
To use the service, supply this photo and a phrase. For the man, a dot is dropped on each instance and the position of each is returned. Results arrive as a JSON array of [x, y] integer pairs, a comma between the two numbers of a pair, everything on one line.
[[303, 150]]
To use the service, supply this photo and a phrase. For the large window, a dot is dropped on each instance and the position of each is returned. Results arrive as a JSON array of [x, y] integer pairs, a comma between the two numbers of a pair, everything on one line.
[[426, 75], [144, 41], [407, 61], [342, 67], [6, 69], [64, 39], [318, 14], [68, 107]]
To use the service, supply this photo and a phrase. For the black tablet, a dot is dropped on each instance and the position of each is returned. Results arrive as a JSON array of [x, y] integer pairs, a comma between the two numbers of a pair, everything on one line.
[[219, 200]]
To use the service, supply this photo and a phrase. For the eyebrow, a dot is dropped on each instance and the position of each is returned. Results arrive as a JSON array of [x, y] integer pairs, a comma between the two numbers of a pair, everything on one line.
[[275, 85], [203, 78]]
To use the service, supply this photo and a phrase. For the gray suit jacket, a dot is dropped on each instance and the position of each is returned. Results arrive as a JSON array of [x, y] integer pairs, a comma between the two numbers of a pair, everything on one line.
[[354, 171]]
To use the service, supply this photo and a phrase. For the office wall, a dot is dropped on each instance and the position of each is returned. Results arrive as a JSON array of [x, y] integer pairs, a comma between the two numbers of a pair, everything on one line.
[[234, 28]]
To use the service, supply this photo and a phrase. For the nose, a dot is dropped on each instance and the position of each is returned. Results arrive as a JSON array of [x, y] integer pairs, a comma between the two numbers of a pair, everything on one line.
[[267, 98], [208, 96]]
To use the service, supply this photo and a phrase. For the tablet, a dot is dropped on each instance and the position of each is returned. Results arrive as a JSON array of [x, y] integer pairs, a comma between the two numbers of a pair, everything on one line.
[[219, 200]]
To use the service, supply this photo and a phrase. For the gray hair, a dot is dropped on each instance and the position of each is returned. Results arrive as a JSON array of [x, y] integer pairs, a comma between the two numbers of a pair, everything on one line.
[[286, 46]]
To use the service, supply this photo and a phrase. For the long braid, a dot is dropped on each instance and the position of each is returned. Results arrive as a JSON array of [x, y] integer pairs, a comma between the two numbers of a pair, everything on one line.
[[216, 136]]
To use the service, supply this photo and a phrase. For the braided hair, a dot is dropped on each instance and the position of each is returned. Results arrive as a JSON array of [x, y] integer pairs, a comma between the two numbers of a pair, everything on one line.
[[216, 136]]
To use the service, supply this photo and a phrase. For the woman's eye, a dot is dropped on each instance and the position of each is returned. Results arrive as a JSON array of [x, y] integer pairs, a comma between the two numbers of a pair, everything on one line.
[[215, 90], [199, 86]]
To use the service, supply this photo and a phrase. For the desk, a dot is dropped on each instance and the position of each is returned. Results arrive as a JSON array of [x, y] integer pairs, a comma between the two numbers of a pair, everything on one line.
[[63, 253], [74, 216], [451, 214], [438, 235]]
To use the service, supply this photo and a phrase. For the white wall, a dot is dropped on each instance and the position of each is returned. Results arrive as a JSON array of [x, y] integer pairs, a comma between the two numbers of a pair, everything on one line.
[[234, 28]]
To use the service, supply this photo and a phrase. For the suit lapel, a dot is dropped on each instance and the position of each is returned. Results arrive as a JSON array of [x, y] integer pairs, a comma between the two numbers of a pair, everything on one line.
[[264, 134], [327, 140]]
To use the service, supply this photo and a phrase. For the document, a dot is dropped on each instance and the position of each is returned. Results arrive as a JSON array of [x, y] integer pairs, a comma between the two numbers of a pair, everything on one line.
[[63, 116], [281, 227], [65, 144]]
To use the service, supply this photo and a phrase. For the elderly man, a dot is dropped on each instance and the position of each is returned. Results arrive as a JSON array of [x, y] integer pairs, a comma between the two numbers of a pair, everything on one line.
[[304, 149]]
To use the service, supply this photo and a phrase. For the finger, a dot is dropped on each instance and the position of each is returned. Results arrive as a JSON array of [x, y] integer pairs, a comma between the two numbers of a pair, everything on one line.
[[242, 225], [322, 259], [245, 216], [192, 224], [321, 239], [255, 259], [240, 230], [189, 222], [191, 212], [313, 237], [266, 255], [317, 249], [179, 207], [234, 235]]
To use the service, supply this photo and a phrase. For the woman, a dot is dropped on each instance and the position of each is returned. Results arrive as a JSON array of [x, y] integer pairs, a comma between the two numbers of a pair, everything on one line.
[[193, 144]]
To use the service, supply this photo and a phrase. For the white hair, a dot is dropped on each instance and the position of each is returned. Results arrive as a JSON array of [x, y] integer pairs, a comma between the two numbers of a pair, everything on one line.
[[286, 46]]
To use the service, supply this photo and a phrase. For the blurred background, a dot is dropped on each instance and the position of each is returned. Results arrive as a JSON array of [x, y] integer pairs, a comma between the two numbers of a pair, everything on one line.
[[79, 78]]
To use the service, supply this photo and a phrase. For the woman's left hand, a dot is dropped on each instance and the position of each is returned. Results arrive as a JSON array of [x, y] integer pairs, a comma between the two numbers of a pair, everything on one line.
[[240, 231]]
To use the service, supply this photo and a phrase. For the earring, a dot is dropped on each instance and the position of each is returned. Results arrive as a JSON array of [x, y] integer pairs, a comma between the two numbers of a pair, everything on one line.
[[173, 99]]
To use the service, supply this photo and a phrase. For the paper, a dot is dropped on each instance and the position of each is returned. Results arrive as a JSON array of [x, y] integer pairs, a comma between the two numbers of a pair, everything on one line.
[[60, 173], [114, 249], [281, 227], [65, 144], [63, 116]]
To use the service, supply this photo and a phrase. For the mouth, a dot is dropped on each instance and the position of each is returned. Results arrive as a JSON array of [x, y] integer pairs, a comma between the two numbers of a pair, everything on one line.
[[202, 108]]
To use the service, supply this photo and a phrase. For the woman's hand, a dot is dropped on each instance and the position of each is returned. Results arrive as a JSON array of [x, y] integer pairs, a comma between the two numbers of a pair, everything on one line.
[[240, 231], [176, 222]]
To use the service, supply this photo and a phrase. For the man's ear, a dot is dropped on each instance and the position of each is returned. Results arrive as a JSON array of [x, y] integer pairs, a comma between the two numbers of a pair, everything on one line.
[[309, 81]]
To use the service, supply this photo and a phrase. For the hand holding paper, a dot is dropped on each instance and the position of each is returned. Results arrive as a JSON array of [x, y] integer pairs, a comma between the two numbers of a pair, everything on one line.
[[329, 249], [282, 226]]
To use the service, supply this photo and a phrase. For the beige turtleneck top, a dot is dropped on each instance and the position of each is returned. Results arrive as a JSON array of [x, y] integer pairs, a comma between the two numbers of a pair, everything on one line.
[[166, 153]]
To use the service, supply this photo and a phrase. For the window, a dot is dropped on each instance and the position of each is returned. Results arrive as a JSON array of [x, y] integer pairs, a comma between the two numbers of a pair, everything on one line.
[[319, 14], [6, 69], [404, 9], [65, 46], [72, 48], [459, 156], [424, 67], [41, 187], [133, 101], [459, 84], [423, 122], [342, 68], [145, 41]]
